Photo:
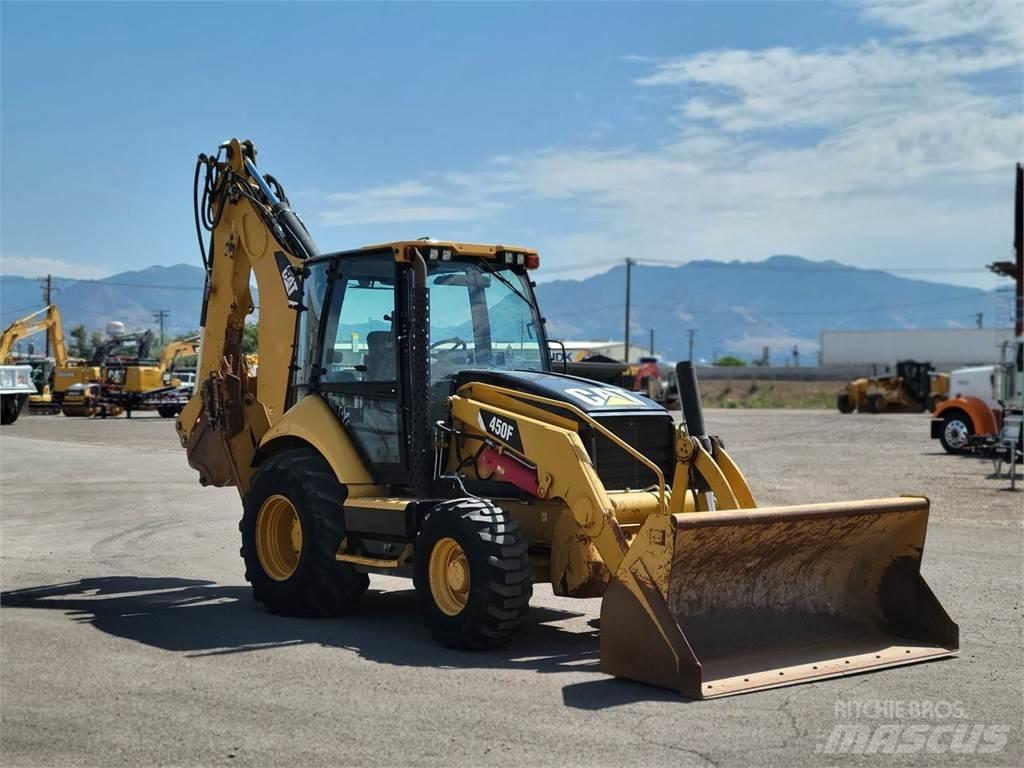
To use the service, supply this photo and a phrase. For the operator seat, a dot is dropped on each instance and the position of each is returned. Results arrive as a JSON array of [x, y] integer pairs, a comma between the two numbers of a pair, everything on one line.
[[380, 356]]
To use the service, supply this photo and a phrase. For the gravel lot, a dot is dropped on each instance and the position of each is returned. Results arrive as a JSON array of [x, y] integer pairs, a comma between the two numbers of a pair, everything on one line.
[[129, 636]]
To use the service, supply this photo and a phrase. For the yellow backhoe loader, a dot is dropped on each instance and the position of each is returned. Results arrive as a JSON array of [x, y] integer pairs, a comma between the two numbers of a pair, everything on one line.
[[406, 420], [53, 375]]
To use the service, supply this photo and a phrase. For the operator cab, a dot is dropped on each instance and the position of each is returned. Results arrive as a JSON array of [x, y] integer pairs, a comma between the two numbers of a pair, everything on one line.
[[354, 342]]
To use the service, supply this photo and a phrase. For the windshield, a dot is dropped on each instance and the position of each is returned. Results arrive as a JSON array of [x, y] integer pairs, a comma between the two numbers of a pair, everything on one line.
[[481, 317]]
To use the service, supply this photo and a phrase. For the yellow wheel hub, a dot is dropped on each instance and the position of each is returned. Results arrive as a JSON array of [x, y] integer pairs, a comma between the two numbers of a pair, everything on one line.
[[449, 576], [278, 537]]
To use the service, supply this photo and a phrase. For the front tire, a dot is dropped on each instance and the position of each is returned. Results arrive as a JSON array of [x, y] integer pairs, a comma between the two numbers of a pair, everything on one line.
[[473, 576], [11, 407], [291, 528], [957, 429], [844, 404]]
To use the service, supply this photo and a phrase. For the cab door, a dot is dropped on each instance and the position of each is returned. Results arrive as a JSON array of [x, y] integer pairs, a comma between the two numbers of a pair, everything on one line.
[[359, 361]]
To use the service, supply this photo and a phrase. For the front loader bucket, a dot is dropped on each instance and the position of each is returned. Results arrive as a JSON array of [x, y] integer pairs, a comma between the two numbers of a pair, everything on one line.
[[719, 603]]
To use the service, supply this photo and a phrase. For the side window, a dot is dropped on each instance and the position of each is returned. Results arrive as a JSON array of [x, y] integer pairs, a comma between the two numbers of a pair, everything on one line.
[[314, 291], [359, 341]]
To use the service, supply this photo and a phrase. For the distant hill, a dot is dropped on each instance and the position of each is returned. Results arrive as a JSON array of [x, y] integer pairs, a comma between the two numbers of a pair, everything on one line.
[[735, 307], [130, 297], [741, 307]]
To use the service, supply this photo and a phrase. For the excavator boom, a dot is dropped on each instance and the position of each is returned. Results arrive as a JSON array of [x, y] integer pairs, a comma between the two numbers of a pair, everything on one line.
[[46, 319]]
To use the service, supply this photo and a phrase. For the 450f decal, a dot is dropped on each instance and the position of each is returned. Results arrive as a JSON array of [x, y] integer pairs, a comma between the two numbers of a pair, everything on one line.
[[504, 429]]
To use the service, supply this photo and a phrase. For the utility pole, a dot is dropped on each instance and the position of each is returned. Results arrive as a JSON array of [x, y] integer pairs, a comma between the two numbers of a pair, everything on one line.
[[47, 285], [160, 315], [691, 332], [652, 342], [629, 273]]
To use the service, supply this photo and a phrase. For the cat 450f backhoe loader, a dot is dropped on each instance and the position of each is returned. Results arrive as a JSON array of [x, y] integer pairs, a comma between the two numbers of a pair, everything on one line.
[[405, 420]]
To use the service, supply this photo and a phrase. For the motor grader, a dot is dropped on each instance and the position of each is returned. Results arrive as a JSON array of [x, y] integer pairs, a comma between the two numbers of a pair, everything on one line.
[[406, 420], [914, 388]]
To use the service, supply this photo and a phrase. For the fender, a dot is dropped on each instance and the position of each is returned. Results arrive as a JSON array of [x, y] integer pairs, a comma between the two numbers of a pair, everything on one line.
[[312, 422], [982, 417]]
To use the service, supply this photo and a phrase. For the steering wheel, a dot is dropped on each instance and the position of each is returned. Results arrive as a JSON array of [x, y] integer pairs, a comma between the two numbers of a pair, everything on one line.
[[455, 341]]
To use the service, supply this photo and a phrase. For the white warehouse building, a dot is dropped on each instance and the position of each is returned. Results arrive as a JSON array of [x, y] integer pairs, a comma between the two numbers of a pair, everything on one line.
[[945, 348]]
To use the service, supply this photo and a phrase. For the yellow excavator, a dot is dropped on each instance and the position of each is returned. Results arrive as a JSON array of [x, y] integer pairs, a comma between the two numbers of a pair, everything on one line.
[[406, 420], [131, 380], [53, 377]]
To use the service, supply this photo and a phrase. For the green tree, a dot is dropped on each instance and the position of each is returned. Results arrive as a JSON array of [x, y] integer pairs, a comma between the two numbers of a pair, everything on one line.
[[730, 361], [250, 339], [80, 342], [95, 339]]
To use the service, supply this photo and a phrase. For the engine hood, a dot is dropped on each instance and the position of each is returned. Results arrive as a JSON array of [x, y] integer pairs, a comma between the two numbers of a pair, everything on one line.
[[587, 395]]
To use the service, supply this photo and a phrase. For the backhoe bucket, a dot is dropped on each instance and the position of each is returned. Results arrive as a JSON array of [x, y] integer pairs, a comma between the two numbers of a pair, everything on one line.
[[719, 603]]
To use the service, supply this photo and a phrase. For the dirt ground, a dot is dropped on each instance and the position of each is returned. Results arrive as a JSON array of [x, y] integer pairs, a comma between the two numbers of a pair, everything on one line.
[[128, 636], [746, 393]]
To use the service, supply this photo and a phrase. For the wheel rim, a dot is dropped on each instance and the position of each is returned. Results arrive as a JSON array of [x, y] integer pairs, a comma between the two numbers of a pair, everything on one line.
[[278, 537], [956, 433], [449, 576]]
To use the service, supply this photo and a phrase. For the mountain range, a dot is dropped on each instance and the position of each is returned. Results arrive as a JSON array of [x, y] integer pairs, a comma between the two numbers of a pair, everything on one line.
[[734, 307]]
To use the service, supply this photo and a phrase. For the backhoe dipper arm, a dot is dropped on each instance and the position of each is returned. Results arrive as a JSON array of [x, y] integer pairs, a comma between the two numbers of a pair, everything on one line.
[[252, 233]]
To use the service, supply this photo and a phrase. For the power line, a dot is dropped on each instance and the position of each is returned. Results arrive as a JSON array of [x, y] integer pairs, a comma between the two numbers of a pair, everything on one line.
[[18, 310], [764, 313]]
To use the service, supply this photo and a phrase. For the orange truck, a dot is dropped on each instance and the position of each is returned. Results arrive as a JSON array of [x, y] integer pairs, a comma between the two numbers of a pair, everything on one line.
[[974, 408]]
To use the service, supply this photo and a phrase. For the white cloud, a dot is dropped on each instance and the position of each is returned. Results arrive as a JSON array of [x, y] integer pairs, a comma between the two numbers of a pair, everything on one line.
[[888, 152], [38, 266], [405, 202]]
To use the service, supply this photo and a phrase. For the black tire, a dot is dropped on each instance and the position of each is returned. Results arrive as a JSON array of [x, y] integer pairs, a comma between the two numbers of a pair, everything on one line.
[[843, 403], [11, 407], [876, 403], [319, 585], [956, 428], [167, 411], [500, 574]]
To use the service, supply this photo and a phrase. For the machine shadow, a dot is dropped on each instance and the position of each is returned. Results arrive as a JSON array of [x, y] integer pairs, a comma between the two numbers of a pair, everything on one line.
[[201, 618]]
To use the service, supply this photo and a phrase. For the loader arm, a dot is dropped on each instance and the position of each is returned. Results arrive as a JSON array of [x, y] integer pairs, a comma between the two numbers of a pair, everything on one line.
[[705, 592], [252, 234], [46, 319]]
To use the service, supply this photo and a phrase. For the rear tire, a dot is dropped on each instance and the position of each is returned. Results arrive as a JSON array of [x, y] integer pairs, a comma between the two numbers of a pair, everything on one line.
[[843, 403], [318, 585], [957, 428], [167, 411], [876, 403], [491, 557]]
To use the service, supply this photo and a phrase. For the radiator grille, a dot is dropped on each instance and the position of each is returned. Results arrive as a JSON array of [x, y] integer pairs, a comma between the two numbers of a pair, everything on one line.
[[651, 434]]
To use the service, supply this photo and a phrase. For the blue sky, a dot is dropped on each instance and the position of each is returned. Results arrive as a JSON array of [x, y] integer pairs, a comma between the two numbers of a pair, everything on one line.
[[882, 135]]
